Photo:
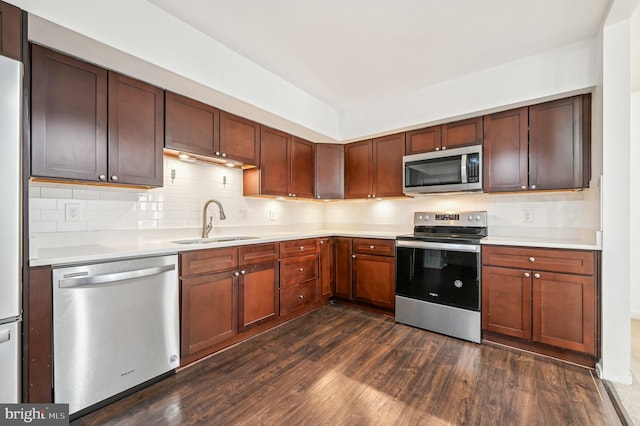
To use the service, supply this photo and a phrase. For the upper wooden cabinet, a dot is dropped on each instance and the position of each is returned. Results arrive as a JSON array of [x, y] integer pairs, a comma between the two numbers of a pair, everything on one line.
[[329, 171], [287, 166], [239, 139], [136, 131], [10, 31], [198, 128], [540, 147], [73, 105], [191, 126], [373, 168], [450, 135]]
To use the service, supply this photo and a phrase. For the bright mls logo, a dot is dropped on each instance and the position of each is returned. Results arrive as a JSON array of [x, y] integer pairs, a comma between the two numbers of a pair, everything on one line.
[[36, 414]]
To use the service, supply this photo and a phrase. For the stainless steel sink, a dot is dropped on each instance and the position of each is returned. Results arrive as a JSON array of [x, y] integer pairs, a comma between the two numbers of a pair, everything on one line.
[[215, 239]]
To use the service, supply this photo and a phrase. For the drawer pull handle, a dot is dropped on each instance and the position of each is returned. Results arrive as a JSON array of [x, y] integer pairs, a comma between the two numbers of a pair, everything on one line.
[[301, 247], [301, 297], [301, 269], [527, 275], [532, 259], [536, 275], [372, 247]]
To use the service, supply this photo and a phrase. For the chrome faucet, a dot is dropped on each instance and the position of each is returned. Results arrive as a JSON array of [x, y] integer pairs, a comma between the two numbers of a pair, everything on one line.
[[207, 227]]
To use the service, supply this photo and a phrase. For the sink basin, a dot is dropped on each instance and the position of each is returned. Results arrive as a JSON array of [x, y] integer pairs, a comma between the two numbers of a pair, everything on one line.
[[214, 240]]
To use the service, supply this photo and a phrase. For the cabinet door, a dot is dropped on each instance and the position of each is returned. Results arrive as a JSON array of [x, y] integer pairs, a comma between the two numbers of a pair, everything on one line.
[[239, 139], [387, 165], [342, 256], [209, 311], [374, 279], [259, 299], [506, 151], [564, 311], [10, 31], [557, 145], [274, 177], [191, 126], [506, 301], [358, 170], [302, 168], [329, 171], [423, 140], [462, 133], [69, 122], [326, 267], [136, 131]]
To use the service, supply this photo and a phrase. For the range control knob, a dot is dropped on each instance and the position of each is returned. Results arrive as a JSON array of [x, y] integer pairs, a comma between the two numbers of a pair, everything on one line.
[[478, 218], [470, 218]]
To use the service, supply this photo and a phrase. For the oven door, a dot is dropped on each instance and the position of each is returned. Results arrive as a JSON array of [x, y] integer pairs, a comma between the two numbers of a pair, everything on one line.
[[442, 273]]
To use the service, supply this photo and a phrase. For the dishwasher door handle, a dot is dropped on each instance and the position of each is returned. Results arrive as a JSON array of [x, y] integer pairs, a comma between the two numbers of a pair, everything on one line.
[[88, 281]]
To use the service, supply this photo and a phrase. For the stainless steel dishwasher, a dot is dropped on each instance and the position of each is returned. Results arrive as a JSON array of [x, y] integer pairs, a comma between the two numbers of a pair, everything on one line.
[[115, 326]]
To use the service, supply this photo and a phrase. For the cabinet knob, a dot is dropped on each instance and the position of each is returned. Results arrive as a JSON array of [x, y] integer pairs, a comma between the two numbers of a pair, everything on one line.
[[218, 153], [536, 275], [523, 187], [301, 269], [373, 195], [532, 259], [437, 149], [301, 247], [444, 147], [301, 297], [321, 241], [353, 255], [533, 187], [368, 195], [318, 196], [236, 274], [372, 247], [224, 154], [243, 272], [294, 195], [102, 178], [527, 275], [114, 178]]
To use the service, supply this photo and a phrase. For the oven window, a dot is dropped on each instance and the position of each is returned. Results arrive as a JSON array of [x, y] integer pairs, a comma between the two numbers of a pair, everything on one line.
[[437, 171], [440, 276]]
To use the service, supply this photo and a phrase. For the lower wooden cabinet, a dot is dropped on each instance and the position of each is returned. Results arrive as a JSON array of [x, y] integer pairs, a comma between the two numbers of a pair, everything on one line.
[[258, 300], [209, 311], [327, 280], [299, 296], [299, 275], [528, 294], [342, 264], [374, 271]]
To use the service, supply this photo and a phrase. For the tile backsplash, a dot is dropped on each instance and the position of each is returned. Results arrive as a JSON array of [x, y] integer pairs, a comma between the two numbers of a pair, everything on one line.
[[178, 204]]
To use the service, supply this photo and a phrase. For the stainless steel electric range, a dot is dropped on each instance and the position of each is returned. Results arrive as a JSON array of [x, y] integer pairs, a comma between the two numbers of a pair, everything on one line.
[[438, 273]]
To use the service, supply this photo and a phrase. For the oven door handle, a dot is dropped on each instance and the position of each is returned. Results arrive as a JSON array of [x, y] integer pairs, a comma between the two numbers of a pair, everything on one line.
[[471, 248]]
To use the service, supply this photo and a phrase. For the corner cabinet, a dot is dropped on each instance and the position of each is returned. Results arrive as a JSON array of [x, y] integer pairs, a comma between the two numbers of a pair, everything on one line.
[[545, 296], [10, 31], [541, 147], [373, 168], [92, 125]]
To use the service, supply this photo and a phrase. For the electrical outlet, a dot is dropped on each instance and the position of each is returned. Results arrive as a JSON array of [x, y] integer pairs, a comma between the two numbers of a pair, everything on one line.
[[527, 215], [272, 215], [72, 212]]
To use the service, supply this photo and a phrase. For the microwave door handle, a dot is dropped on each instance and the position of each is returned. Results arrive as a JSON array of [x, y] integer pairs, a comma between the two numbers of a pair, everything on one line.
[[463, 168]]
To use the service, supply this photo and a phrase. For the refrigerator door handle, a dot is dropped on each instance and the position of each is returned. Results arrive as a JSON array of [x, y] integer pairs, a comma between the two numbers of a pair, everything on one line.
[[5, 336]]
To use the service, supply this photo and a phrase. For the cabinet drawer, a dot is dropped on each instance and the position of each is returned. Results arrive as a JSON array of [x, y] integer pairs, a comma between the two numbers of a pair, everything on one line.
[[206, 261], [298, 296], [374, 246], [298, 247], [553, 260], [258, 253], [298, 269]]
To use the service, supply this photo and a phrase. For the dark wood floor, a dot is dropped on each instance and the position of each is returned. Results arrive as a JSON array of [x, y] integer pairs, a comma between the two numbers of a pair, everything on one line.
[[343, 366]]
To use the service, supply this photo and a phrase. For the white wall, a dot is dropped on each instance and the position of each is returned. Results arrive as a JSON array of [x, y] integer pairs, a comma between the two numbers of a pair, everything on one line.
[[635, 203], [569, 69], [615, 362]]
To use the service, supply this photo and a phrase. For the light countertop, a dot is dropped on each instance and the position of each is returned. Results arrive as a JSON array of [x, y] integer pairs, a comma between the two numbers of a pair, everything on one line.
[[73, 252]]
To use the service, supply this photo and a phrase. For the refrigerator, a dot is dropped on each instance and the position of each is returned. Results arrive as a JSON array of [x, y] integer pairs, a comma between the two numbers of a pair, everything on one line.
[[11, 74]]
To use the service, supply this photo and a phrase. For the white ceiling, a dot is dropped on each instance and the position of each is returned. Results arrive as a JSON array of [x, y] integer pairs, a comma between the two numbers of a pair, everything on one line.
[[351, 52]]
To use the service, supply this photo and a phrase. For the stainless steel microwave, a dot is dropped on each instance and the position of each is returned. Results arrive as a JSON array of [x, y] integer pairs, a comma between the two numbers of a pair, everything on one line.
[[451, 170]]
